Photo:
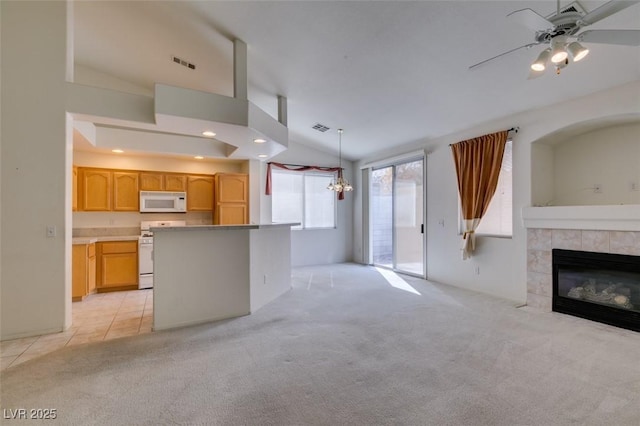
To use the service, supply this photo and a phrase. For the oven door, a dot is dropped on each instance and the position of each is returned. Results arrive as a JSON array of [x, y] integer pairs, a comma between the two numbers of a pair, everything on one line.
[[145, 262]]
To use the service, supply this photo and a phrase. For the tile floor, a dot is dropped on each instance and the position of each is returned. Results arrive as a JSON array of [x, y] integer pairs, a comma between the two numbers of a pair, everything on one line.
[[98, 317]]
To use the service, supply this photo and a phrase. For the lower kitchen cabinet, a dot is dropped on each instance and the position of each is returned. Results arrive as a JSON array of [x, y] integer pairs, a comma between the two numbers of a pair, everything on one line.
[[83, 275], [117, 265]]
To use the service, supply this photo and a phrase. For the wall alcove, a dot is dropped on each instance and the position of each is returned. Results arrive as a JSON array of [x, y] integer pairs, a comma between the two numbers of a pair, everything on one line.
[[588, 164]]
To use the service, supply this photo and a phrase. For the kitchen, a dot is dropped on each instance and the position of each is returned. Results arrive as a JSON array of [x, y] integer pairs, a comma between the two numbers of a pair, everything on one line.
[[111, 248]]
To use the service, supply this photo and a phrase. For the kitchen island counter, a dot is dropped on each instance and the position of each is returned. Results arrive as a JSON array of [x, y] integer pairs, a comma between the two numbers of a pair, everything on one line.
[[207, 273]]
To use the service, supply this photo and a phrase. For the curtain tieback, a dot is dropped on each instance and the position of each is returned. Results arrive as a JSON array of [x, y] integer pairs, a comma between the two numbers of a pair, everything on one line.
[[464, 236]]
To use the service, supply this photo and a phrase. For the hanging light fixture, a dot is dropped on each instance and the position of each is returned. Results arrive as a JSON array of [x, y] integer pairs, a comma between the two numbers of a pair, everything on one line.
[[541, 63], [341, 184], [577, 51], [558, 52]]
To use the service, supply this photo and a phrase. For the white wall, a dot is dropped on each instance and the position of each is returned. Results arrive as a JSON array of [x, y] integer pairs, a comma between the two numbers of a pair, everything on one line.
[[543, 174], [609, 157], [502, 261], [92, 77], [35, 278], [316, 246], [165, 164]]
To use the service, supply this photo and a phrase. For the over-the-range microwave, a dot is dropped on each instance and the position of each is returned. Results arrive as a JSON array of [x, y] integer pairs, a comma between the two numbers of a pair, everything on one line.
[[163, 202]]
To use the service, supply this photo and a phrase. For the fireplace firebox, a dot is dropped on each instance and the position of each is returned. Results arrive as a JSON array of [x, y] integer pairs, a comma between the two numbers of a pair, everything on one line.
[[601, 287]]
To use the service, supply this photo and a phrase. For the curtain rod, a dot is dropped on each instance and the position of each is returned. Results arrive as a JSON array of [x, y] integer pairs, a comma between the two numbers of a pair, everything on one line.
[[513, 129], [289, 164]]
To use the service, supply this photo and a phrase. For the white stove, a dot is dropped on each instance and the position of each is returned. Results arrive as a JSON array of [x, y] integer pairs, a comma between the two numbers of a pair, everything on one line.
[[145, 249]]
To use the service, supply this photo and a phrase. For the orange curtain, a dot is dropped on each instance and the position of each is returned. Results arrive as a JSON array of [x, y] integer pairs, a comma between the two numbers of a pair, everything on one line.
[[478, 162]]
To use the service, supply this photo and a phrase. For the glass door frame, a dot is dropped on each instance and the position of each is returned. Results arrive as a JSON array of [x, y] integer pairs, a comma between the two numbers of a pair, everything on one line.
[[394, 163]]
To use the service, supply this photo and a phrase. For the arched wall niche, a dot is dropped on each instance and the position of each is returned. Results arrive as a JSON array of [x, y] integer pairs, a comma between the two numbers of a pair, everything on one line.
[[594, 162]]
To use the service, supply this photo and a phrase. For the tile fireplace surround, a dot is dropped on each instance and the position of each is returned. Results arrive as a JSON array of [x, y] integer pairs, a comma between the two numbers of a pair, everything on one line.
[[546, 231]]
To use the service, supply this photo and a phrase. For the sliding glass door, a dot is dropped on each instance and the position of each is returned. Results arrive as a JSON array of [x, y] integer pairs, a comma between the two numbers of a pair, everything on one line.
[[397, 217]]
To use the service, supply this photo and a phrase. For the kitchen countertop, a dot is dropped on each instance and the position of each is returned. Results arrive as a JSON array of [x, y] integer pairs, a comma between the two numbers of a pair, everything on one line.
[[90, 240]]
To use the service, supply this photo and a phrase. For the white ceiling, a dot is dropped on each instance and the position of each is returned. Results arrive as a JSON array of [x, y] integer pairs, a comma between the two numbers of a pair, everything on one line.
[[389, 73]]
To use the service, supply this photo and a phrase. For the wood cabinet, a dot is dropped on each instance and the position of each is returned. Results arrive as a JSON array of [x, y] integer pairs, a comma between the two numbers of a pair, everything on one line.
[[94, 189], [154, 181], [125, 191], [117, 267], [119, 190], [74, 189], [106, 190], [83, 276], [231, 199], [150, 181], [199, 193], [174, 182]]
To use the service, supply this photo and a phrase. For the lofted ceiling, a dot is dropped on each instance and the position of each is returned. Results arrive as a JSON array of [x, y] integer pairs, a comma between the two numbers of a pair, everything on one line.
[[388, 72]]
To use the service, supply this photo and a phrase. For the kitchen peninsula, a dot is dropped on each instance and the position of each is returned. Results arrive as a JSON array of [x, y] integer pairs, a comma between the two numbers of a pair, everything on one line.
[[211, 272]]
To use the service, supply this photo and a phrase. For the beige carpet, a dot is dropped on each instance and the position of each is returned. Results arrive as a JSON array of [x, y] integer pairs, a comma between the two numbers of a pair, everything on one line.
[[344, 347]]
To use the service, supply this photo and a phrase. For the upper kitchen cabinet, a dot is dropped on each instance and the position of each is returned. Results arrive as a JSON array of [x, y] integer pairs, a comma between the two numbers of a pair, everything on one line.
[[176, 183], [74, 189], [231, 199], [199, 193], [94, 189], [126, 191], [154, 181], [150, 181]]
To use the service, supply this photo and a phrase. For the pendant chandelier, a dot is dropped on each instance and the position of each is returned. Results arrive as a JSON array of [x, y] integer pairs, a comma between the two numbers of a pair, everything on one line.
[[341, 184]]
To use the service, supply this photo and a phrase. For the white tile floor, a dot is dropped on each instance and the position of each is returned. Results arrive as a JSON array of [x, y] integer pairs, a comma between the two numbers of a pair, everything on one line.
[[98, 317]]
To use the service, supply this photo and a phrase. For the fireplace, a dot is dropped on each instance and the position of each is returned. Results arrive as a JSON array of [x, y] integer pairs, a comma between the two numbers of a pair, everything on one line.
[[601, 287]]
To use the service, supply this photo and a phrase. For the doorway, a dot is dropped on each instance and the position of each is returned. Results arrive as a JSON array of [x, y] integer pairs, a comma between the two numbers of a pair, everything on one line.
[[397, 217]]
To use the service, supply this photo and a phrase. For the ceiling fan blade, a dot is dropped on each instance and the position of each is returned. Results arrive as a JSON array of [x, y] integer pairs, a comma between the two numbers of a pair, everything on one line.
[[605, 10], [530, 19], [474, 66], [620, 37]]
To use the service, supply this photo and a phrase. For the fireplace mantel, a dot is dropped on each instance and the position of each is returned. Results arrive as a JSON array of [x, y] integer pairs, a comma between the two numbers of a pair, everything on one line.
[[609, 217]]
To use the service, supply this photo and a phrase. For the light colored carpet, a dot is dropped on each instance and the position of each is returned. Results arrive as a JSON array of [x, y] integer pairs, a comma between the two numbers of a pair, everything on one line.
[[346, 348]]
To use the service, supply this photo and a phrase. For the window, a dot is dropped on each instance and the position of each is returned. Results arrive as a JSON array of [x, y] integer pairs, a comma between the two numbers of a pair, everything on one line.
[[303, 197], [498, 220]]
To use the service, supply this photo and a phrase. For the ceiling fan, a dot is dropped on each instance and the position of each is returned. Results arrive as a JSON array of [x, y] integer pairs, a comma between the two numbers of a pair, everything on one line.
[[562, 33]]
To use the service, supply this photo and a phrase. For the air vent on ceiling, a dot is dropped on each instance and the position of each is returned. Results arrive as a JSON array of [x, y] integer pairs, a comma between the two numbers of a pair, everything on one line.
[[183, 62], [573, 7], [320, 127]]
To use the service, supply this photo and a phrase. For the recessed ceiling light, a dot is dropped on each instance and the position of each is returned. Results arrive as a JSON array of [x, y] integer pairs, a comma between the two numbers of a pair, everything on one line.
[[259, 140], [208, 133], [198, 157], [117, 151], [262, 155]]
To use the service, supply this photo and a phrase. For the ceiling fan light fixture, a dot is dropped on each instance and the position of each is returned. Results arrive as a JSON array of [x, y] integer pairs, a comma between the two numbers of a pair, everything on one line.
[[577, 51], [543, 58], [558, 54]]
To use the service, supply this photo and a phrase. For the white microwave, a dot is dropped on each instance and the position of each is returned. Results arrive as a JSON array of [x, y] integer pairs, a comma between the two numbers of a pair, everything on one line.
[[163, 202]]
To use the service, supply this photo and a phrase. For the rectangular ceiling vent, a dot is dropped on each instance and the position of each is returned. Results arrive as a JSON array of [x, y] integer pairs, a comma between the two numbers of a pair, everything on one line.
[[183, 62], [573, 7], [320, 127]]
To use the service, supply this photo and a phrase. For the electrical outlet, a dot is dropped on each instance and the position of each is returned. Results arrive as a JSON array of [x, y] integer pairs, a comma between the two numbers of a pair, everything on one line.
[[597, 188], [51, 231], [477, 270], [633, 186]]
